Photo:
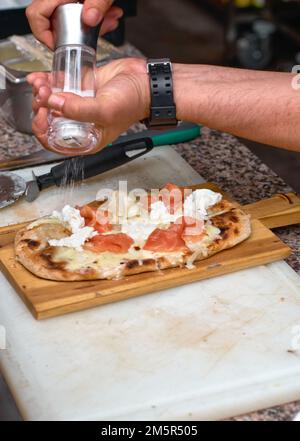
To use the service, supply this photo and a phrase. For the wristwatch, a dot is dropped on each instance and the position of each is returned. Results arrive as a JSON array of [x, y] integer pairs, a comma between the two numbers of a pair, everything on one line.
[[163, 108]]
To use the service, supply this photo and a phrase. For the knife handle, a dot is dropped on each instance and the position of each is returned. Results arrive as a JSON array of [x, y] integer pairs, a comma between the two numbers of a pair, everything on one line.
[[83, 167]]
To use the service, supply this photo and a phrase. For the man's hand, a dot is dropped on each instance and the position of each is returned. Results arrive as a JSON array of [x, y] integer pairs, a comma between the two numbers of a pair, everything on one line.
[[40, 11], [123, 98]]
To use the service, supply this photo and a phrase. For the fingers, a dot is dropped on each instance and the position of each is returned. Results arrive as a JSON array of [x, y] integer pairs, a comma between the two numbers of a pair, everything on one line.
[[74, 107], [40, 127], [95, 10], [35, 75], [111, 21], [41, 99], [40, 11], [41, 89], [38, 14]]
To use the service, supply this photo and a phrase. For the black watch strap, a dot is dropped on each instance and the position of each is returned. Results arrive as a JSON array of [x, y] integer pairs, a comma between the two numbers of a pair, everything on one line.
[[163, 108]]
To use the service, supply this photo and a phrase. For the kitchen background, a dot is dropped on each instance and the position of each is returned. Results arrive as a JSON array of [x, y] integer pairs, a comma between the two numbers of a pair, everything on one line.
[[262, 34]]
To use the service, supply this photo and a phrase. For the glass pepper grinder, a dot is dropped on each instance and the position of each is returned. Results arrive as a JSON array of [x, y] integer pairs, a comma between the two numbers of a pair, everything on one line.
[[73, 71]]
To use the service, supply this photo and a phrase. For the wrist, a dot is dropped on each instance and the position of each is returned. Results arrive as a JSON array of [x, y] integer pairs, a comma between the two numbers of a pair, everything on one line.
[[179, 92], [137, 70], [186, 79]]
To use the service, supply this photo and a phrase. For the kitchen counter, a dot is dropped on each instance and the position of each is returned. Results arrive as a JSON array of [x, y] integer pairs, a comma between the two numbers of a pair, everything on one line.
[[222, 159]]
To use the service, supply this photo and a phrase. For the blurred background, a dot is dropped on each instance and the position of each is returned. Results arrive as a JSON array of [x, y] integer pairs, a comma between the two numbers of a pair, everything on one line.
[[256, 34]]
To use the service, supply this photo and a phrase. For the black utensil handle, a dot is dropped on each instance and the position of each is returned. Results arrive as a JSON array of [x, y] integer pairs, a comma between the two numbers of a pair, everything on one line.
[[83, 167]]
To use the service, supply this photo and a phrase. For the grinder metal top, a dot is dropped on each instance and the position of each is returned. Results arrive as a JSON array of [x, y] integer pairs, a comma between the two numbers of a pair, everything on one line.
[[69, 29]]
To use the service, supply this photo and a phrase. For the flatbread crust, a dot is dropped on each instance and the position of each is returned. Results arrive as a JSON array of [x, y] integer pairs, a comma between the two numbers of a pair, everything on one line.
[[34, 253]]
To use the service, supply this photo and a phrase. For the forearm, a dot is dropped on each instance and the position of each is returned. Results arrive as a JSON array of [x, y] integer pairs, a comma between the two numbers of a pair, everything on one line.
[[261, 106]]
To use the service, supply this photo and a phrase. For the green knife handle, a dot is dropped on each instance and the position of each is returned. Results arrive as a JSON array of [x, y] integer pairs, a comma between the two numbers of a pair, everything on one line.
[[176, 136]]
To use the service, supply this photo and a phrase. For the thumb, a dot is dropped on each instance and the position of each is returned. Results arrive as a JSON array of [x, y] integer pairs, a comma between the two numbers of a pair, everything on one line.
[[95, 10], [75, 107]]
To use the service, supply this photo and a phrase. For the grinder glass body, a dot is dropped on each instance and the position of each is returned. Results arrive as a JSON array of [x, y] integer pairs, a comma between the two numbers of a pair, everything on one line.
[[73, 71]]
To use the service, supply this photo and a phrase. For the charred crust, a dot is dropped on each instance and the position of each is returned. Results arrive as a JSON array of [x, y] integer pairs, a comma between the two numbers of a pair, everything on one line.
[[32, 244], [131, 264], [149, 262], [47, 257], [233, 218], [223, 230], [236, 231], [137, 248]]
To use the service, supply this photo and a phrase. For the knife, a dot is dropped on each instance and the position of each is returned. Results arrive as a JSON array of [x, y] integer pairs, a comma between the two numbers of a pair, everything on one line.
[[83, 167], [183, 133], [125, 149]]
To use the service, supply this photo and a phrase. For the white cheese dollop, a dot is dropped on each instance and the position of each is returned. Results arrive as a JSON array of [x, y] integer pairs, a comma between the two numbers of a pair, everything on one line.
[[197, 203], [76, 240], [71, 217], [159, 214], [139, 230]]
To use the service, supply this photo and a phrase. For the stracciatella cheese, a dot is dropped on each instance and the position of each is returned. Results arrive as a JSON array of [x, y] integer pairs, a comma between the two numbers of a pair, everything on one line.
[[76, 240], [139, 228], [73, 220], [197, 203], [71, 217]]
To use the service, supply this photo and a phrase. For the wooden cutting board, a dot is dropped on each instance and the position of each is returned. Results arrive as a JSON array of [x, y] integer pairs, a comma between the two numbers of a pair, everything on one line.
[[47, 298]]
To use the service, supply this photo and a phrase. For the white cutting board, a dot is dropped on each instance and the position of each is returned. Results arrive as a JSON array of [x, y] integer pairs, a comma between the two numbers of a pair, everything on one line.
[[208, 350]]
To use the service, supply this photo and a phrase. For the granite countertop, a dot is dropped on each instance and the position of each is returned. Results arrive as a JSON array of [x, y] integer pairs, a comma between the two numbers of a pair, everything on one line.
[[222, 159]]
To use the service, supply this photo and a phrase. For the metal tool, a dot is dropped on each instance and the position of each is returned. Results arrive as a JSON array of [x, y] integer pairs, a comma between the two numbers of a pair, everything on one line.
[[12, 186]]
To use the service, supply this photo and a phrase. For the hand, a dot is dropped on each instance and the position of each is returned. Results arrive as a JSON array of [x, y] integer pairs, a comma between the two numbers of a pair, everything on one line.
[[40, 11], [122, 98]]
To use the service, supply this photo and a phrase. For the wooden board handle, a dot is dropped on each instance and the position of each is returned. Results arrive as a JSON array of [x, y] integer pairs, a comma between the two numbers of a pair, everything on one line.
[[280, 210]]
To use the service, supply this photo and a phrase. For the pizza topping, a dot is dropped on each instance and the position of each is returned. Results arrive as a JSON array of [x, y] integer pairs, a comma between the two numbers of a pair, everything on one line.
[[96, 218], [71, 217], [160, 214], [89, 215], [138, 230], [194, 229], [174, 198], [170, 195], [167, 240], [162, 228], [120, 204], [114, 243], [76, 240], [197, 203]]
